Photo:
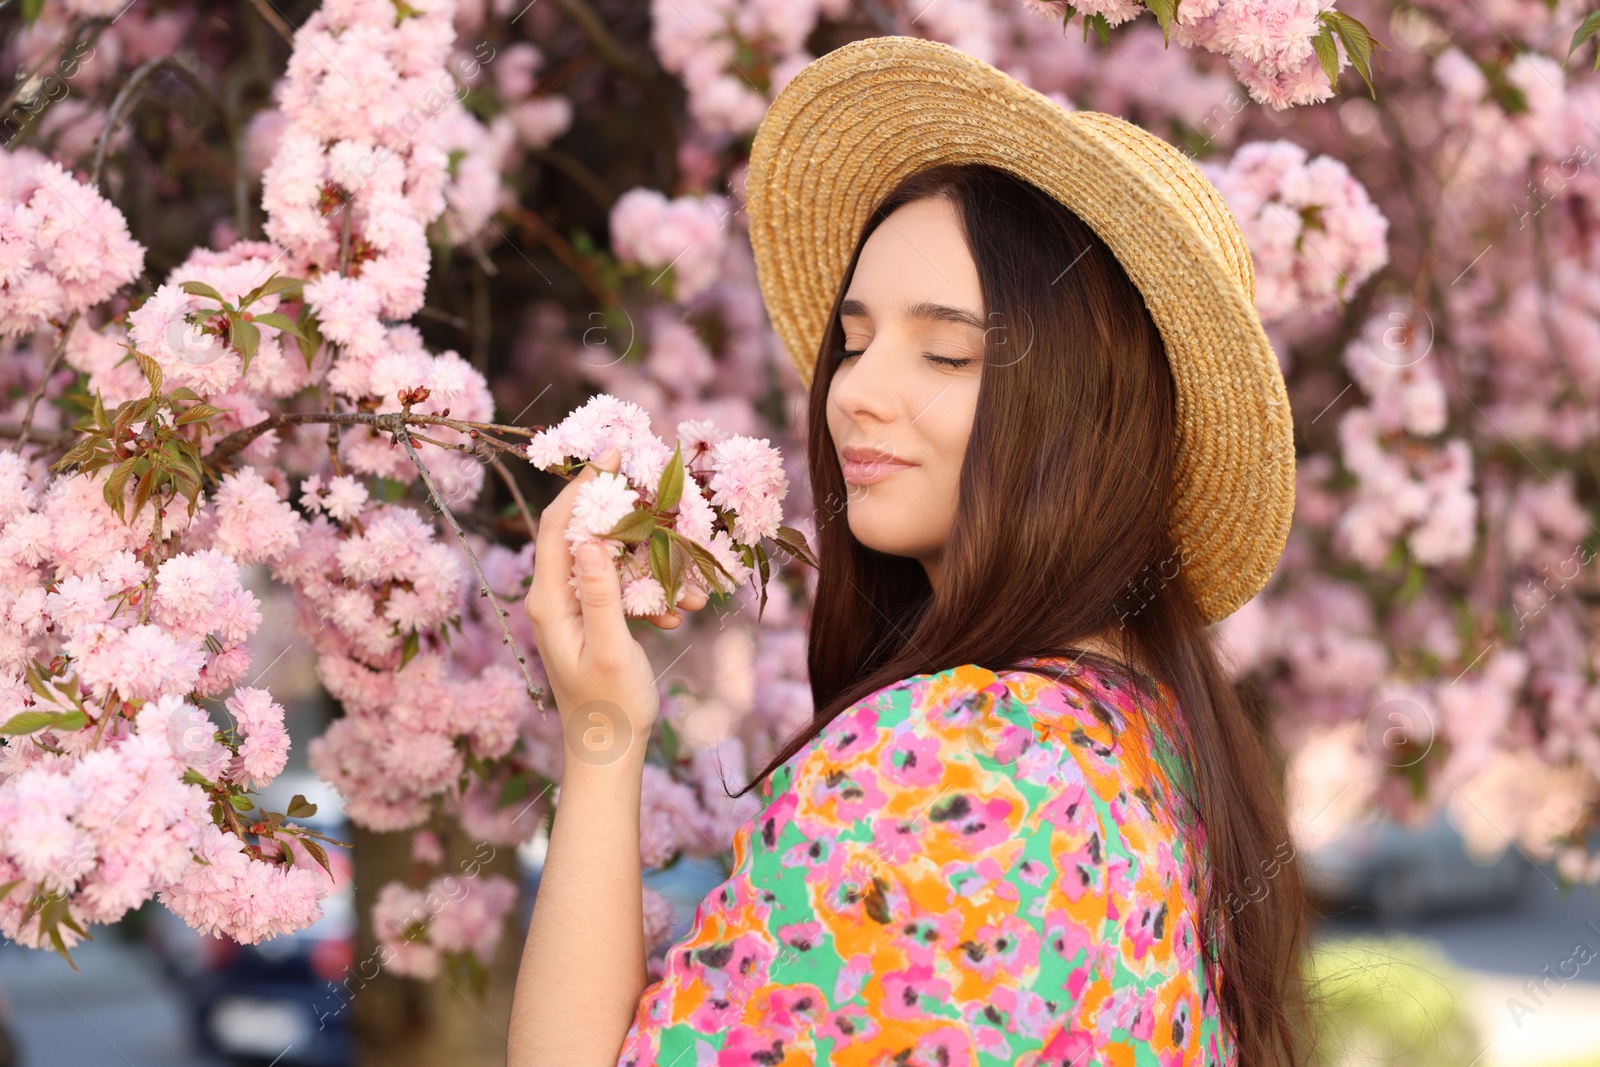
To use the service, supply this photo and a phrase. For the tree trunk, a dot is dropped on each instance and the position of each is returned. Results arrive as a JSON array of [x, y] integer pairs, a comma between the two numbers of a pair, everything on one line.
[[405, 1022]]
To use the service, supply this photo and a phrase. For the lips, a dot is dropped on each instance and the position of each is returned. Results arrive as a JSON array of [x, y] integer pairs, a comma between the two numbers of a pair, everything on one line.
[[864, 466]]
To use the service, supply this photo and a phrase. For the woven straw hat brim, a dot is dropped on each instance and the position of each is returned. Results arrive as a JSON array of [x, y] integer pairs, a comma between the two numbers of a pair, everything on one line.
[[857, 120]]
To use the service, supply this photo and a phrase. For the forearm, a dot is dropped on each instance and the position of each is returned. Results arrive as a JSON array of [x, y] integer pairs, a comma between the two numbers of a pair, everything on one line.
[[583, 968]]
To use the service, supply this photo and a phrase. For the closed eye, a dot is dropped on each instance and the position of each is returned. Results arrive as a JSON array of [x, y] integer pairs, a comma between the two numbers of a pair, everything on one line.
[[944, 361]]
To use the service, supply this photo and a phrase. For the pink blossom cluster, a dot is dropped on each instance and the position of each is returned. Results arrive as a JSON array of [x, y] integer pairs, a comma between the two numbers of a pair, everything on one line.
[[417, 928], [63, 246], [687, 234], [733, 490], [538, 120], [698, 40], [1266, 42], [1422, 492], [372, 579], [1314, 233], [1393, 362], [193, 351], [95, 807]]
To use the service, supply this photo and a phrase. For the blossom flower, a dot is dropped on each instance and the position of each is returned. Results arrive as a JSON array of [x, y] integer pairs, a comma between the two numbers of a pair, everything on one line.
[[687, 233], [1313, 232], [63, 246]]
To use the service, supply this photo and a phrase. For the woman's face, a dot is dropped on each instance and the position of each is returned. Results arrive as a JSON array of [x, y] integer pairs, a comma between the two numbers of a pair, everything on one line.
[[900, 409]]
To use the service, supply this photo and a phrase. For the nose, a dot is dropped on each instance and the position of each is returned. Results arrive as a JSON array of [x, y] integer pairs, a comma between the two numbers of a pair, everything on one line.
[[863, 388]]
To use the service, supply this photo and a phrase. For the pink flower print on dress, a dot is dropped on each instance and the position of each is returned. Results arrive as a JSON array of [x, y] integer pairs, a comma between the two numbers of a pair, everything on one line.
[[912, 761]]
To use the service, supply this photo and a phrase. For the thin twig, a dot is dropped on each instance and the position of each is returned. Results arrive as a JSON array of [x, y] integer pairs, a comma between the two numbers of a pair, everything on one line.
[[516, 494], [537, 229], [606, 45], [396, 423], [134, 86], [235, 442], [48, 438], [49, 370], [273, 19], [69, 41]]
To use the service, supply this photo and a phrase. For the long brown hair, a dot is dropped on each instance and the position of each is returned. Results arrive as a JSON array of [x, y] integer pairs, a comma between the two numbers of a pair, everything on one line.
[[1060, 535]]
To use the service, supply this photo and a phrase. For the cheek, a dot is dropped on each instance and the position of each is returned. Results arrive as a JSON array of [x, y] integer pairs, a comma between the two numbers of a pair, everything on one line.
[[947, 426]]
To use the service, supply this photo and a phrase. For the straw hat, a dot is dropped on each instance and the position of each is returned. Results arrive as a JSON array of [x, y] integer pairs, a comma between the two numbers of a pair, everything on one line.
[[853, 123]]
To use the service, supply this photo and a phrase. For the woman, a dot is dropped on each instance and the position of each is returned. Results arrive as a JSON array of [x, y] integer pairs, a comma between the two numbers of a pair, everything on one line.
[[1030, 821]]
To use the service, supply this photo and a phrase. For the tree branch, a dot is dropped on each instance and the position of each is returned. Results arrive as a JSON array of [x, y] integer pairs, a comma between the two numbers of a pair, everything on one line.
[[396, 424], [24, 431]]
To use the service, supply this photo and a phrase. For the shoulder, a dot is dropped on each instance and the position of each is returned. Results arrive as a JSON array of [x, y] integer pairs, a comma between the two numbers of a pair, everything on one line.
[[1038, 726]]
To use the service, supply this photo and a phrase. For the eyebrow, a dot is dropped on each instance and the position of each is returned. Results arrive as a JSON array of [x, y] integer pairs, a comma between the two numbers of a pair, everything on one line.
[[923, 309]]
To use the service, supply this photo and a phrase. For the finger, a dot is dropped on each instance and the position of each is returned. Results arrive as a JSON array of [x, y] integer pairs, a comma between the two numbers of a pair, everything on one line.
[[693, 598], [605, 628], [552, 554], [670, 621]]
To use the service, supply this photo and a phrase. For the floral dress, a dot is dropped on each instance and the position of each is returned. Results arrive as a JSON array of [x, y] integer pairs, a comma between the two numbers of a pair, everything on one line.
[[963, 869]]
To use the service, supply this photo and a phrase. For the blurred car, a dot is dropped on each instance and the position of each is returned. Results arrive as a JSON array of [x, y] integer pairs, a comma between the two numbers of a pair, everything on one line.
[[279, 1001], [1406, 874]]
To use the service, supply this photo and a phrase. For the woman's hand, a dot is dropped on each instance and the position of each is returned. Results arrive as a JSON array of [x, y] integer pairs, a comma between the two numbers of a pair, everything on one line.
[[600, 677]]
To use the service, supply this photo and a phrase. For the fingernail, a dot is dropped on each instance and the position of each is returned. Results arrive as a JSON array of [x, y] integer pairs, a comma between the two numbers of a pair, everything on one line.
[[591, 557]]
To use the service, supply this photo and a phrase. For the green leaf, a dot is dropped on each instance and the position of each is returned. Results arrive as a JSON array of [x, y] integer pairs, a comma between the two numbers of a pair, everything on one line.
[[197, 413], [1071, 10], [5, 890], [70, 720], [141, 491], [1327, 54], [27, 722], [278, 321], [1586, 29], [116, 486], [766, 573], [39, 682], [278, 283], [1164, 10], [241, 803], [1101, 26], [183, 392], [309, 337], [409, 647], [152, 370], [202, 289], [671, 487], [317, 853], [704, 560], [634, 526], [300, 807], [794, 542], [1357, 43], [31, 10], [669, 742], [516, 787], [244, 337], [100, 420], [661, 565]]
